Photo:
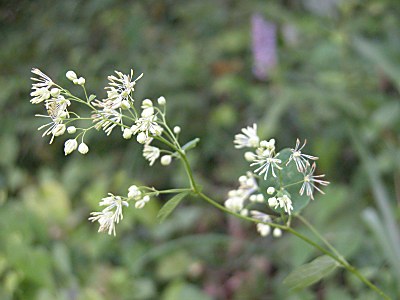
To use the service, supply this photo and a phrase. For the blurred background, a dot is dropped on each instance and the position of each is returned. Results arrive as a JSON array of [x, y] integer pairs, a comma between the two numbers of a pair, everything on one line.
[[323, 70]]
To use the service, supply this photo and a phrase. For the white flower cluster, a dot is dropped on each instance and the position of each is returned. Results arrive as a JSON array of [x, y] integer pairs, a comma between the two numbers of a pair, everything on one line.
[[268, 162], [265, 158], [237, 198], [147, 123], [111, 215]]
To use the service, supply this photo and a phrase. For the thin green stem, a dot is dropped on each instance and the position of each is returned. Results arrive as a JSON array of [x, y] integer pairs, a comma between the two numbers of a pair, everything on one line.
[[318, 235], [335, 255]]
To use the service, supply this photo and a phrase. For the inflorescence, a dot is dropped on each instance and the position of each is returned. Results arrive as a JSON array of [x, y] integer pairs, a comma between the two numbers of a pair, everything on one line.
[[264, 187]]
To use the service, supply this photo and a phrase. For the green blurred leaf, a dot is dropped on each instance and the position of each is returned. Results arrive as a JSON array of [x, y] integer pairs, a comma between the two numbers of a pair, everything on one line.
[[180, 290], [310, 273], [376, 54], [169, 207]]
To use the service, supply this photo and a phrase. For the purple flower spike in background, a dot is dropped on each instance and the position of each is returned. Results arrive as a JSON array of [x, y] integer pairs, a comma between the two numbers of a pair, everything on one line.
[[263, 46]]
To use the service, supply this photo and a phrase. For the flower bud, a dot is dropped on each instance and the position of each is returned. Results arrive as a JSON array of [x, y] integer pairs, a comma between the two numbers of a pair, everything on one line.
[[140, 204], [147, 112], [263, 229], [80, 81], [71, 75], [71, 129], [146, 103], [55, 92], [273, 202], [59, 130], [260, 198], [141, 138], [277, 232], [270, 190], [244, 212], [161, 100], [127, 134], [253, 198], [70, 146], [249, 156], [83, 148], [125, 104], [166, 160], [177, 129], [133, 191]]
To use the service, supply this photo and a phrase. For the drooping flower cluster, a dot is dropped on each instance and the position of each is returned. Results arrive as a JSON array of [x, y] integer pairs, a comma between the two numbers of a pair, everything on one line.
[[146, 122], [110, 215], [276, 169]]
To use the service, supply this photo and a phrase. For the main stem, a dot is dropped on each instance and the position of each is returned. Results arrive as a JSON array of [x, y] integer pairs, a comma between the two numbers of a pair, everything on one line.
[[334, 254]]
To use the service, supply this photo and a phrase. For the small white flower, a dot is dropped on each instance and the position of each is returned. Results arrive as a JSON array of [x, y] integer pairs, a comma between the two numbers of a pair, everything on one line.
[[270, 145], [260, 198], [300, 159], [277, 232], [107, 118], [161, 100], [266, 161], [234, 203], [55, 92], [83, 148], [79, 81], [107, 217], [57, 111], [147, 112], [151, 153], [142, 138], [134, 192], [125, 104], [127, 134], [41, 87], [71, 75], [177, 129], [147, 103], [286, 204], [249, 156], [166, 160], [70, 146], [270, 190], [58, 130], [141, 203], [244, 212], [309, 182], [263, 229], [273, 202], [248, 138], [148, 126], [71, 129]]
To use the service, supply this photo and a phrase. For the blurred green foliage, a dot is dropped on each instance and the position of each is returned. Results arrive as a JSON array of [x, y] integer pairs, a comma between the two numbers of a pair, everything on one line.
[[338, 68]]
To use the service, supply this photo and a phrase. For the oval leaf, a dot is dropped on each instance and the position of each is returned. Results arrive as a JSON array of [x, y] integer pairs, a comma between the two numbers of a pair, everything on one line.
[[169, 207], [310, 273], [191, 144]]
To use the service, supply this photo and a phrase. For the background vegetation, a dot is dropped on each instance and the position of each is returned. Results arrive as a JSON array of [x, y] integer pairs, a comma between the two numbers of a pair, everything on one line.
[[336, 84]]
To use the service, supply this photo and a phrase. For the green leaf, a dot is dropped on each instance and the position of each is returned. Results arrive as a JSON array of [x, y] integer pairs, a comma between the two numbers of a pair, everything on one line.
[[168, 207], [289, 175], [310, 273], [92, 97], [190, 145]]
